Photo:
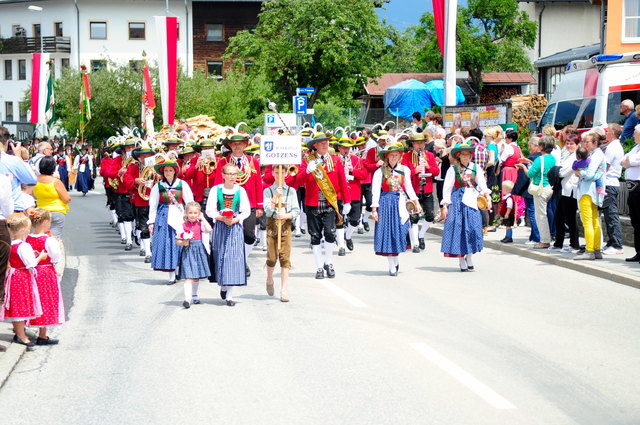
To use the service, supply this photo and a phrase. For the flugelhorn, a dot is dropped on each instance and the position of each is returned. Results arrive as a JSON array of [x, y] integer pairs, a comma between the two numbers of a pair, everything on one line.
[[292, 170]]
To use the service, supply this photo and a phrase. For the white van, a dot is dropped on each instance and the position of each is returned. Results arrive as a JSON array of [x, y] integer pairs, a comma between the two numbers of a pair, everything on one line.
[[591, 91]]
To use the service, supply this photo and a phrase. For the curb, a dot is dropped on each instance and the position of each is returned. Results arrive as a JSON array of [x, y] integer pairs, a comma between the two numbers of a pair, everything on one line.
[[582, 266], [9, 360]]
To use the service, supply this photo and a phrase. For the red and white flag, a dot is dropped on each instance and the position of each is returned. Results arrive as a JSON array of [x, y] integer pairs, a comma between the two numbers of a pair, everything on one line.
[[438, 17], [167, 30], [148, 102], [39, 79]]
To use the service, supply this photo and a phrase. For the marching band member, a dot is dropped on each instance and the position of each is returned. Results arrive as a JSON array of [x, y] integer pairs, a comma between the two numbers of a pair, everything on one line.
[[354, 173], [166, 201], [186, 159], [323, 177], [202, 171], [372, 163], [105, 165], [250, 179], [423, 167], [140, 190], [124, 208]]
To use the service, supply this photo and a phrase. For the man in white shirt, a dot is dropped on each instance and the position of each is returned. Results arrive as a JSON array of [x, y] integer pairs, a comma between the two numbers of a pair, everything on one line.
[[631, 161], [613, 153]]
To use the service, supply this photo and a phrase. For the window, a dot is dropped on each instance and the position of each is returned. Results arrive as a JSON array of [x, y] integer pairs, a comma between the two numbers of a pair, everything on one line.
[[23, 107], [136, 65], [18, 31], [8, 111], [98, 64], [631, 20], [614, 100], [588, 110], [136, 31], [36, 30], [566, 113], [8, 69], [22, 69], [65, 62], [98, 30], [57, 29], [214, 32], [214, 69]]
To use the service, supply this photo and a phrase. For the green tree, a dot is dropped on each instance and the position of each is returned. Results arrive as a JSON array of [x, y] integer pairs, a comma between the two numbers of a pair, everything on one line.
[[492, 36], [403, 50], [330, 45]]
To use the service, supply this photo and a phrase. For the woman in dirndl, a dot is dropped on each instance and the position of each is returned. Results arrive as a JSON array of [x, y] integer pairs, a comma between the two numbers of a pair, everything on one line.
[[166, 209], [83, 166], [464, 182], [391, 185], [228, 205]]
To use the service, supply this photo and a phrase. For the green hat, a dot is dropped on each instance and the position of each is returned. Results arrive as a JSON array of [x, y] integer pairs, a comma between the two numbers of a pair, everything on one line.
[[417, 137], [462, 147], [205, 143], [187, 148], [131, 141], [172, 141], [394, 147], [252, 148], [360, 141], [318, 137], [140, 150], [344, 142], [235, 138], [168, 163]]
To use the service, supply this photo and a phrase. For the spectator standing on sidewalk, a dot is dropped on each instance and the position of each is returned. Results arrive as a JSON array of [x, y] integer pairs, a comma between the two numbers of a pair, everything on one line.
[[631, 162], [613, 154], [6, 209], [568, 203], [630, 122]]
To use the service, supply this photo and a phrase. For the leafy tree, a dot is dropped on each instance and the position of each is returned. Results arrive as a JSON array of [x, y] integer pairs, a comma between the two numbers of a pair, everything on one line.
[[403, 50], [492, 36], [331, 45]]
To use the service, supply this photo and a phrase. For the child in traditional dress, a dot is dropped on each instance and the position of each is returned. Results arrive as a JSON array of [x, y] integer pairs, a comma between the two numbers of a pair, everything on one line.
[[46, 277], [507, 210], [21, 301], [194, 260], [228, 205], [280, 205]]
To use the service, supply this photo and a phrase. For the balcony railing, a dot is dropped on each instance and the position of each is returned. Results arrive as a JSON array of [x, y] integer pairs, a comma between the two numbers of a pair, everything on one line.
[[32, 45]]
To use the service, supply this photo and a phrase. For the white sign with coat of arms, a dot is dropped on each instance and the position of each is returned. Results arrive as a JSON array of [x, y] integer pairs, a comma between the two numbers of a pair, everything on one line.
[[280, 150]]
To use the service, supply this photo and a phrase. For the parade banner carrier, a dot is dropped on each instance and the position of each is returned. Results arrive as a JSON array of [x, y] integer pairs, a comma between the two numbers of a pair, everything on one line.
[[276, 150]]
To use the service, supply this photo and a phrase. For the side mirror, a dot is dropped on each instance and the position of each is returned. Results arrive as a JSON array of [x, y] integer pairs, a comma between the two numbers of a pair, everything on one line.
[[532, 126]]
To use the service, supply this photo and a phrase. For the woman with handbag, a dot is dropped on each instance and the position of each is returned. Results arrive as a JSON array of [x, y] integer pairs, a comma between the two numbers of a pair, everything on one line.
[[568, 204], [540, 188], [391, 186], [166, 211], [631, 162], [464, 184]]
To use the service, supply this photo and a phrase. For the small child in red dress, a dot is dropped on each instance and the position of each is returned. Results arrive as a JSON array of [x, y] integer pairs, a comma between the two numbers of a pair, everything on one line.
[[21, 300], [46, 276]]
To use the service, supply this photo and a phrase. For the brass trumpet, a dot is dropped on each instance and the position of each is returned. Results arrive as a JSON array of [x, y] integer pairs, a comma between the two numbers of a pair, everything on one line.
[[150, 177], [209, 162], [292, 170]]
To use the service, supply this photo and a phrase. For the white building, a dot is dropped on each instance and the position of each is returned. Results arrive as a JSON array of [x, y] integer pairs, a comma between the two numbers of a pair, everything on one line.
[[79, 32]]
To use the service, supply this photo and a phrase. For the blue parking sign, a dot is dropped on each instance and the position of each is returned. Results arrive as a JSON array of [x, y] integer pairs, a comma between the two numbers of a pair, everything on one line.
[[300, 105]]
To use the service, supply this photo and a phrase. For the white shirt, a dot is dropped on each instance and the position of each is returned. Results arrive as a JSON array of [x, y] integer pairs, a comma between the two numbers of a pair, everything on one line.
[[613, 154], [633, 172], [154, 197], [244, 209], [26, 254], [450, 180], [557, 154], [51, 245], [376, 184], [6, 200], [569, 178], [507, 151]]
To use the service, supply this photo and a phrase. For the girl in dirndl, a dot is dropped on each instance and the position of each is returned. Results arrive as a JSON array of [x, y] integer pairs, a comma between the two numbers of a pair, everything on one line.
[[21, 300], [464, 182], [166, 202], [228, 205], [46, 277], [83, 166], [390, 186], [194, 260]]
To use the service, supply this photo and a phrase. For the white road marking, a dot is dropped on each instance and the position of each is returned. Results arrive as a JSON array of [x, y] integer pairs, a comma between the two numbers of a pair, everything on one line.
[[344, 295], [465, 378]]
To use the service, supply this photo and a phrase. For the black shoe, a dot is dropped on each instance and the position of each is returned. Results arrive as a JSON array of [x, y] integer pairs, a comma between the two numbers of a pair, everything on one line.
[[247, 271], [633, 259], [366, 227], [597, 254], [393, 273], [298, 235], [231, 303], [464, 270], [136, 240], [320, 274], [186, 304], [147, 259], [341, 252], [195, 300], [123, 241], [223, 294], [421, 244], [470, 268], [303, 231], [257, 242], [506, 240], [21, 342], [416, 249], [172, 282], [46, 341], [330, 272], [128, 247], [349, 243], [142, 253]]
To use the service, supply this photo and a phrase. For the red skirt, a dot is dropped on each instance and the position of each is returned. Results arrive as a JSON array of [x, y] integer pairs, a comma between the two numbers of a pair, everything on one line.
[[50, 297], [21, 300]]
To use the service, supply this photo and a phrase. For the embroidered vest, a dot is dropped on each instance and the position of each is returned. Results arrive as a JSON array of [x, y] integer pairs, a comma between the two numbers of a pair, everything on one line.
[[175, 191]]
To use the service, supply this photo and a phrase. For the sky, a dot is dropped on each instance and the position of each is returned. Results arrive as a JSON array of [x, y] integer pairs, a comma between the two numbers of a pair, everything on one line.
[[404, 13]]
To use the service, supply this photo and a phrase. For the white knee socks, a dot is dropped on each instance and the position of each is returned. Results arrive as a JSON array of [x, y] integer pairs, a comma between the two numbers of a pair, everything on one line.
[[425, 226], [413, 235], [172, 275], [349, 232], [469, 260], [317, 255], [328, 252], [114, 216], [394, 262], [121, 229], [367, 214], [229, 292], [146, 244], [463, 262], [340, 238], [247, 251], [128, 227], [187, 291]]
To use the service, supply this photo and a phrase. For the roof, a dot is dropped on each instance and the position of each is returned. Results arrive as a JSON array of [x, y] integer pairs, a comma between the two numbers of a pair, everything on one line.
[[566, 56], [377, 87]]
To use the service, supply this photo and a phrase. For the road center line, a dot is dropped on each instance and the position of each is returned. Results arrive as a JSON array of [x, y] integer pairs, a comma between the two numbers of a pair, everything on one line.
[[465, 378], [344, 295]]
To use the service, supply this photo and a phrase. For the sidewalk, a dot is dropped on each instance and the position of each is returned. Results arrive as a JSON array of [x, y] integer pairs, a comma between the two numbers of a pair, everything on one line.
[[612, 267]]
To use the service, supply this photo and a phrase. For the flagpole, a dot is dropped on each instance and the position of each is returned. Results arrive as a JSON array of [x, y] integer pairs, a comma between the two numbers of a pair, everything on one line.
[[451, 10]]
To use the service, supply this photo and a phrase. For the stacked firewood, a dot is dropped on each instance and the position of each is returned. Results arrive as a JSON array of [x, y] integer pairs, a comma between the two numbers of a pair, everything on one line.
[[527, 108]]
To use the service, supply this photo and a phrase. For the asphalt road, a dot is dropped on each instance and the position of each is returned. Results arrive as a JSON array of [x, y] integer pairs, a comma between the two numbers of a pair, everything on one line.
[[515, 342]]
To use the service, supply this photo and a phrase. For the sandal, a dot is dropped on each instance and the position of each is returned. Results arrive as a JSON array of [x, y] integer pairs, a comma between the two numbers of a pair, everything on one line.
[[270, 291]]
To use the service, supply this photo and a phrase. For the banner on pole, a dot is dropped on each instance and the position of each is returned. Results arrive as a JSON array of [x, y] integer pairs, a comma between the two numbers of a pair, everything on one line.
[[167, 30], [39, 79], [276, 150]]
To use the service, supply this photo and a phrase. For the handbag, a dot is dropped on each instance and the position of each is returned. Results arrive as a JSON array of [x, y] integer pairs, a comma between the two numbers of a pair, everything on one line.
[[536, 189], [483, 204]]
